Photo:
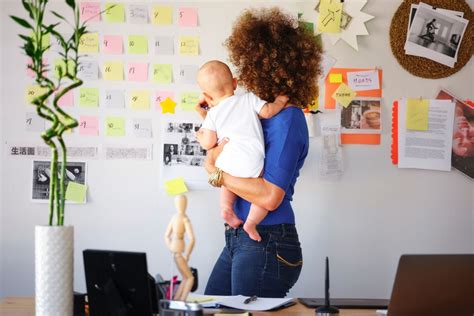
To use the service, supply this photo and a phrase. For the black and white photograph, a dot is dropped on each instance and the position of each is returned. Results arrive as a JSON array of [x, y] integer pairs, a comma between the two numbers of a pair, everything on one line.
[[361, 116], [75, 171], [181, 147]]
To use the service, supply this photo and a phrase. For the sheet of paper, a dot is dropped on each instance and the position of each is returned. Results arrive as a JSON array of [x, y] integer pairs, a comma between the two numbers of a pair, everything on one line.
[[188, 74], [113, 70], [67, 99], [139, 100], [137, 44], [29, 72], [161, 96], [137, 71], [34, 123], [344, 95], [189, 100], [138, 14], [114, 12], [188, 17], [89, 125], [189, 45], [142, 128], [329, 19], [76, 192], [32, 92], [417, 114], [114, 99], [89, 11], [162, 73], [129, 152], [112, 44], [164, 45], [261, 304], [89, 43], [88, 70], [162, 15], [168, 106], [335, 78], [331, 163], [114, 126], [429, 149], [88, 97], [60, 67], [176, 186], [363, 80]]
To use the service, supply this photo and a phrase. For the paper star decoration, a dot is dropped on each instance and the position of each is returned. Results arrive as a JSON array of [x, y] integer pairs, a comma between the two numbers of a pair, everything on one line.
[[168, 106]]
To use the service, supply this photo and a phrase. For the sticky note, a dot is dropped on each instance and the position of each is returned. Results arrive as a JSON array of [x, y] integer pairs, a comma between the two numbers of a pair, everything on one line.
[[187, 17], [139, 100], [114, 13], [89, 43], [335, 78], [112, 44], [114, 99], [34, 91], [89, 11], [45, 40], [162, 73], [314, 105], [363, 80], [88, 70], [164, 45], [137, 44], [188, 74], [88, 97], [344, 95], [142, 128], [76, 192], [138, 14], [189, 100], [189, 45], [160, 96], [168, 106], [329, 19], [417, 114], [67, 99], [60, 67], [114, 126], [89, 125], [113, 70], [176, 186], [137, 71], [29, 64], [34, 123], [162, 15]]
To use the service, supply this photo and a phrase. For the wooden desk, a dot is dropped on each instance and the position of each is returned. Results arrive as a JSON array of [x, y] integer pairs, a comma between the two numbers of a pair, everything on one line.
[[25, 306]]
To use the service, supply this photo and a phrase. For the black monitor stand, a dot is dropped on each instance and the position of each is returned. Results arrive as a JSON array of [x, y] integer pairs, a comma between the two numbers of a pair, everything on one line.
[[326, 309]]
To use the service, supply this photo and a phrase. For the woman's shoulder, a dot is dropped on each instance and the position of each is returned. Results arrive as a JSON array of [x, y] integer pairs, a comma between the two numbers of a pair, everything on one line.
[[287, 116], [289, 120]]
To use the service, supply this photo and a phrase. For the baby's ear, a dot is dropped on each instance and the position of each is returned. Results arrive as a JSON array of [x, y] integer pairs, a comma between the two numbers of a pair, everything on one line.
[[234, 82]]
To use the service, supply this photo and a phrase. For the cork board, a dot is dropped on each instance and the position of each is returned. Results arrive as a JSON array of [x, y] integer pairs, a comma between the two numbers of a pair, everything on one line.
[[422, 67]]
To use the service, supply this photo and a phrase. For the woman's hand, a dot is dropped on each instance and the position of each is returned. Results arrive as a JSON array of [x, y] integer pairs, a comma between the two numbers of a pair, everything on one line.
[[212, 155]]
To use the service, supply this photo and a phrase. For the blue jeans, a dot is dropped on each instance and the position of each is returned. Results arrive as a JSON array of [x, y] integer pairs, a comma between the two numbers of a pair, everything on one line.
[[268, 268]]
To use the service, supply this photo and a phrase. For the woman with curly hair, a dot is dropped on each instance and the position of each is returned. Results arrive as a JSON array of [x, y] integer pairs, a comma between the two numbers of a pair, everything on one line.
[[273, 55]]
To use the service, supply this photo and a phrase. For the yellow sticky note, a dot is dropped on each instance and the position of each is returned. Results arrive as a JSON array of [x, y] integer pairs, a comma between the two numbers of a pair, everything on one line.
[[89, 43], [189, 100], [176, 186], [34, 91], [330, 14], [114, 13], [162, 73], [344, 95], [113, 70], [45, 40], [189, 45], [417, 114], [314, 105], [335, 78], [162, 15], [76, 192], [114, 126], [137, 44], [139, 100], [60, 67], [88, 97]]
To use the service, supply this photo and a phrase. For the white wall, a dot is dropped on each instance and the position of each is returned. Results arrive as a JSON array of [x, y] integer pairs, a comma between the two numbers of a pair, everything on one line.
[[363, 223]]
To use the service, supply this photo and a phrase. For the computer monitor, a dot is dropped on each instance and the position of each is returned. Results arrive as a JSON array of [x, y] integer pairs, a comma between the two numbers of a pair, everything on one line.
[[118, 284]]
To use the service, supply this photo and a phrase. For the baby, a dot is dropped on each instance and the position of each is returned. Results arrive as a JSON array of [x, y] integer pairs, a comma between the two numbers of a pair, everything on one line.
[[236, 118]]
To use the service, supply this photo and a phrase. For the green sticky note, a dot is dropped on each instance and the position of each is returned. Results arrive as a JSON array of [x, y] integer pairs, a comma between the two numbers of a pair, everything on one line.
[[45, 40], [189, 100], [137, 44], [139, 100], [176, 186], [162, 73], [114, 13], [76, 192], [60, 67], [417, 114], [115, 126], [88, 97]]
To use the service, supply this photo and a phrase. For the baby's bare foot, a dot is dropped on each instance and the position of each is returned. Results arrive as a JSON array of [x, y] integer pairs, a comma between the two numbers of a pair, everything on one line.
[[251, 229], [231, 219]]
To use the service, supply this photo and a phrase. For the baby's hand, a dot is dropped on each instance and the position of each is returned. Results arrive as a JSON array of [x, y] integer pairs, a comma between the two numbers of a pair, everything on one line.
[[201, 108]]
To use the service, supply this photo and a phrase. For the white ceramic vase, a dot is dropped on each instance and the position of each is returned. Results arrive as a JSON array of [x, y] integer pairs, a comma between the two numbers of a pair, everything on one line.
[[54, 264]]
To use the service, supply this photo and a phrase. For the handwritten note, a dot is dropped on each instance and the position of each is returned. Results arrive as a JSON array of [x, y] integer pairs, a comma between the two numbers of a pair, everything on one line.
[[176, 186], [60, 67], [89, 11], [89, 125], [88, 97], [162, 73], [114, 99], [344, 95], [114, 126], [187, 17], [137, 44], [114, 13], [188, 74], [363, 80], [139, 99], [34, 123], [34, 91], [162, 15], [335, 78], [189, 100], [89, 43], [168, 106], [142, 128], [189, 45], [329, 19], [160, 96], [137, 71], [67, 99], [138, 14], [113, 70], [417, 114], [112, 44], [76, 192], [88, 70], [164, 45]]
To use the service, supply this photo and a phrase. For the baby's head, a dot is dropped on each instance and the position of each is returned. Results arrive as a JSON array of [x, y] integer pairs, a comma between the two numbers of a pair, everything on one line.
[[216, 81]]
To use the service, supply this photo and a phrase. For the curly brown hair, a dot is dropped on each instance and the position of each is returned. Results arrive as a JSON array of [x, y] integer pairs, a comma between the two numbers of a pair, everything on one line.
[[274, 54]]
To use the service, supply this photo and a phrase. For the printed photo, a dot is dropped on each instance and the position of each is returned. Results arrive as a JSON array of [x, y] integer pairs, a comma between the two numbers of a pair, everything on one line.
[[181, 147], [361, 116]]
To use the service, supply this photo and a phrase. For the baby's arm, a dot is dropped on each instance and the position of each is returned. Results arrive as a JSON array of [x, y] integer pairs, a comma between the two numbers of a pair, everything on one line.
[[207, 138], [271, 109]]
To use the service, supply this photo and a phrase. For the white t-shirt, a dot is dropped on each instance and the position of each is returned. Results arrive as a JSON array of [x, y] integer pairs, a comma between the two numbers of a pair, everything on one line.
[[236, 118]]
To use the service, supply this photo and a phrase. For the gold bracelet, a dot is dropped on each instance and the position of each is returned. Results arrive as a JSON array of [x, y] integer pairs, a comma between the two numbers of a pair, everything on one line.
[[215, 178]]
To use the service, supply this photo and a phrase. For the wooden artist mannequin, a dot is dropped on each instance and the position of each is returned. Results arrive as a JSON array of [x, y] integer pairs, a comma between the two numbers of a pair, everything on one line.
[[174, 238]]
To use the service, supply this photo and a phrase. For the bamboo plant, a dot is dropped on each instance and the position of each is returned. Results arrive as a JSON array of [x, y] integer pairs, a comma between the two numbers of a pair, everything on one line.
[[65, 80]]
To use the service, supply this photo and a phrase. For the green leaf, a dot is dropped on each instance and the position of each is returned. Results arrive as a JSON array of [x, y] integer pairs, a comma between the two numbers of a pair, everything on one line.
[[28, 8], [71, 3], [22, 22], [58, 15]]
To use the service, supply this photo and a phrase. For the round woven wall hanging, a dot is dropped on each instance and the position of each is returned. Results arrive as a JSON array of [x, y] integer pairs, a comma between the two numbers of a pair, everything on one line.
[[420, 66]]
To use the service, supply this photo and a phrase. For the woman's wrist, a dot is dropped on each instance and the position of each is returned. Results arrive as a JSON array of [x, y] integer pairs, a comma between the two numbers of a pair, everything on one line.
[[216, 178]]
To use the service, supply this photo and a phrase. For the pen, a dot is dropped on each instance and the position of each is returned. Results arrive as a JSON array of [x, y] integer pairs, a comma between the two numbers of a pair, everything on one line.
[[250, 299]]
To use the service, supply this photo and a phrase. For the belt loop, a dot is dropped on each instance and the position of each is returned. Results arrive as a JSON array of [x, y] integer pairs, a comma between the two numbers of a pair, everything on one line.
[[283, 230]]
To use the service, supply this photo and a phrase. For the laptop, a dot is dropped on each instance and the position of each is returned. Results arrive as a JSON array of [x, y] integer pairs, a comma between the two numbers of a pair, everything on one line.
[[433, 285]]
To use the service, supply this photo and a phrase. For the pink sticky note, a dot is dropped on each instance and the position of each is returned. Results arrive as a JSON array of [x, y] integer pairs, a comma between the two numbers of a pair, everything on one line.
[[67, 99], [90, 11], [161, 96], [137, 71], [30, 72], [187, 17], [89, 125], [112, 44]]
